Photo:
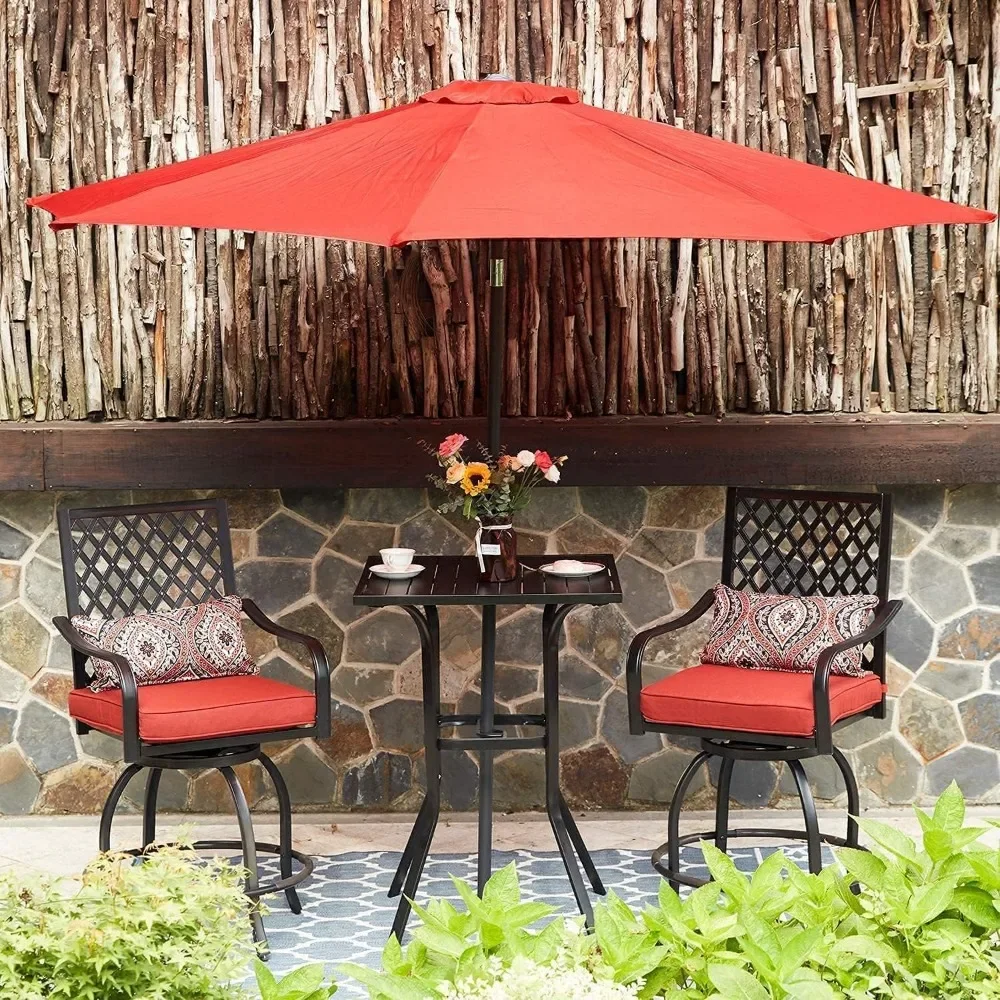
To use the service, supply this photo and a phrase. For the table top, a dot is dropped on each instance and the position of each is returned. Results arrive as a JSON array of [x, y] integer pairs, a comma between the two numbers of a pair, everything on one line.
[[455, 580]]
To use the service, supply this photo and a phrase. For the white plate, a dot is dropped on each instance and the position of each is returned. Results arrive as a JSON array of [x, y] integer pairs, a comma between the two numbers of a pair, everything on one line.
[[582, 569], [397, 574]]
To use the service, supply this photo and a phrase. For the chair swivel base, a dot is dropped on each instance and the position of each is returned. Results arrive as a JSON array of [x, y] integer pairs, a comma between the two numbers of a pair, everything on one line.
[[729, 753], [223, 761], [661, 856]]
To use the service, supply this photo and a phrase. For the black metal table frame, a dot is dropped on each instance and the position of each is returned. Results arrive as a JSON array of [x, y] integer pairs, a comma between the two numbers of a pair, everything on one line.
[[489, 740]]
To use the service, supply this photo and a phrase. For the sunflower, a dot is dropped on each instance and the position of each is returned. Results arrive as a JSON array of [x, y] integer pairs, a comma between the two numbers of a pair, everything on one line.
[[476, 479]]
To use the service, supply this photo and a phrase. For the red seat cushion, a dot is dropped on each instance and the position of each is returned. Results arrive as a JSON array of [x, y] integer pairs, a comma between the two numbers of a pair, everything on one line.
[[776, 702], [200, 710]]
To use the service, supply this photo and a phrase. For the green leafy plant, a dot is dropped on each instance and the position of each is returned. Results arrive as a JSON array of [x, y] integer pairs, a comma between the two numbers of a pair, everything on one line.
[[170, 928], [306, 983], [906, 921]]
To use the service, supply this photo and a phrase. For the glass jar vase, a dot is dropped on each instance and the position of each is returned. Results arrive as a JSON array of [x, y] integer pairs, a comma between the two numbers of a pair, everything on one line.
[[496, 549]]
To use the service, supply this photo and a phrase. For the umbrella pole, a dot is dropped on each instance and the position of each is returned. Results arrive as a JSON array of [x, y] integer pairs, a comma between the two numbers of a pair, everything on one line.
[[498, 331], [487, 705]]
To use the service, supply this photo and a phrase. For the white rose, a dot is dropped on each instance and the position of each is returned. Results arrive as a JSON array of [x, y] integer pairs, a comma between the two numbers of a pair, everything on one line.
[[526, 458], [552, 474]]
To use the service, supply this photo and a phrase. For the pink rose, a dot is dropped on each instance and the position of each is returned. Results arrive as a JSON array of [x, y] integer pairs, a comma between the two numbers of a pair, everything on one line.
[[451, 444], [543, 460]]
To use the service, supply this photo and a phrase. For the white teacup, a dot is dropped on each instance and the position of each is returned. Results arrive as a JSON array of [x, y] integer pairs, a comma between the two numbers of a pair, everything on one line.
[[397, 559]]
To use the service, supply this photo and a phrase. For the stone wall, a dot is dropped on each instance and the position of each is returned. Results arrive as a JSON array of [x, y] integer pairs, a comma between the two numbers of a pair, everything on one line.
[[299, 554]]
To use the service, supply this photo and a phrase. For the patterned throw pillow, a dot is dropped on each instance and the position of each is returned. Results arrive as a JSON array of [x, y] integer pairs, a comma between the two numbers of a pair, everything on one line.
[[774, 632], [183, 644]]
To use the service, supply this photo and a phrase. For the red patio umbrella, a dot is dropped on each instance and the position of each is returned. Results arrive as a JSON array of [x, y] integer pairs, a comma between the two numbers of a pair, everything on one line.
[[502, 160]]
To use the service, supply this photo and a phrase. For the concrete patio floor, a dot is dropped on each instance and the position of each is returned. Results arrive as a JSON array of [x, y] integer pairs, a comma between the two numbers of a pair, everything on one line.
[[62, 845]]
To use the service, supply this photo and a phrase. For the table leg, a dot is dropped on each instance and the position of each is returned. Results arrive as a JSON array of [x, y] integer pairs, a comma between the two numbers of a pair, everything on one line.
[[417, 835], [418, 846], [559, 816], [581, 848], [487, 730]]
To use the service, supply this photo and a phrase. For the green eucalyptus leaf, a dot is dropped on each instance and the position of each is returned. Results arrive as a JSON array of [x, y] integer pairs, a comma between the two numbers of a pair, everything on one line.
[[863, 866], [938, 843], [502, 889], [266, 982], [978, 906], [760, 933], [987, 869], [441, 941], [300, 982], [949, 810], [393, 959], [767, 881], [798, 949], [733, 882], [702, 903], [737, 984], [818, 990], [526, 914], [762, 962], [389, 987], [890, 839], [670, 901], [928, 901], [926, 822], [860, 947], [967, 835]]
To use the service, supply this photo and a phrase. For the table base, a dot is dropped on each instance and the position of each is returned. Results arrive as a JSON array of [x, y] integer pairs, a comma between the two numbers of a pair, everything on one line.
[[489, 740]]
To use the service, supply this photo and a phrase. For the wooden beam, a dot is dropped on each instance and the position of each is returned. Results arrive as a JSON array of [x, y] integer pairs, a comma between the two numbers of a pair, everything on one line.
[[611, 451], [903, 87], [21, 457]]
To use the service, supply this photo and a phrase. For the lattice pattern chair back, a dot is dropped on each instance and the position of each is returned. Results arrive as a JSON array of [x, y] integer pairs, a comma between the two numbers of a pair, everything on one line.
[[803, 543], [128, 560]]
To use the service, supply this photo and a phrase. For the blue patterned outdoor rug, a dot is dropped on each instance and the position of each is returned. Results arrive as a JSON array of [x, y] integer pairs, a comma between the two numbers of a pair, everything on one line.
[[346, 915]]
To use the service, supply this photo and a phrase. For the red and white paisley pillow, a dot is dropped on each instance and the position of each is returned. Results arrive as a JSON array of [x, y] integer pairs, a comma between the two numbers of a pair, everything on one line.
[[774, 632], [195, 642]]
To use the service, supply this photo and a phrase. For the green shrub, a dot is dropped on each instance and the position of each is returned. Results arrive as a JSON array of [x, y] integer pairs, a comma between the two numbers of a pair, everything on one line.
[[924, 923], [170, 928], [166, 929]]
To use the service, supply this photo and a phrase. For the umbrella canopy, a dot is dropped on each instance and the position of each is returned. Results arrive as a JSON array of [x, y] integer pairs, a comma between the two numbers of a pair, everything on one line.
[[504, 160]]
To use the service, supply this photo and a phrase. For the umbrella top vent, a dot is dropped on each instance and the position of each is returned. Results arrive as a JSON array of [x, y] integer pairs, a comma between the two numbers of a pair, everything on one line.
[[500, 92]]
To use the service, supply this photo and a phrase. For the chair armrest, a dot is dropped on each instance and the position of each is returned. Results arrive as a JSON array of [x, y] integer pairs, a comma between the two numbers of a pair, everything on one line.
[[637, 649], [320, 663], [821, 677], [126, 681]]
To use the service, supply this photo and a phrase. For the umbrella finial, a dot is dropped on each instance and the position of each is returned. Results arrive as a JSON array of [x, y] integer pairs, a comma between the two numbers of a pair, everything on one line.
[[506, 77]]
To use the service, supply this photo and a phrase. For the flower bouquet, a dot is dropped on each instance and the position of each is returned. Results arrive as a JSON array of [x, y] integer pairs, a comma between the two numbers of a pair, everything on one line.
[[492, 491]]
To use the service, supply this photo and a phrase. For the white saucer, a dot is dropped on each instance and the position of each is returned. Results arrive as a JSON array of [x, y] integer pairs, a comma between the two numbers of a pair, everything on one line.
[[583, 569], [397, 574]]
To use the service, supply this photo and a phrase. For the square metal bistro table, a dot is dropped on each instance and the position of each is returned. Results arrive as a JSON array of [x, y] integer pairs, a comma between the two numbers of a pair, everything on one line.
[[455, 580]]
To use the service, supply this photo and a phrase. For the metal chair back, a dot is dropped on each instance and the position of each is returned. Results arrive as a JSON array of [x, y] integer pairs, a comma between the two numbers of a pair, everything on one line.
[[138, 558]]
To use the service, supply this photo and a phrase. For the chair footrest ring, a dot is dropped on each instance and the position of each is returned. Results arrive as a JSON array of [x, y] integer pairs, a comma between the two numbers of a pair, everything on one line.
[[279, 885], [660, 854]]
